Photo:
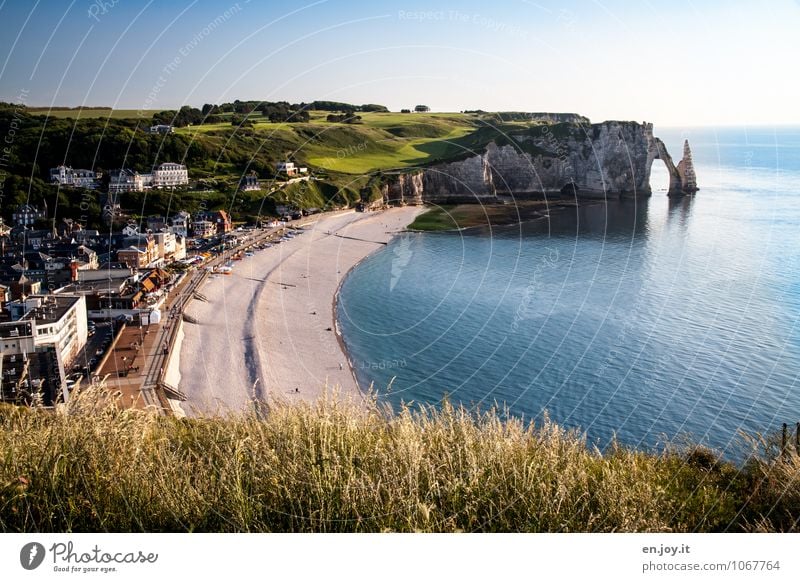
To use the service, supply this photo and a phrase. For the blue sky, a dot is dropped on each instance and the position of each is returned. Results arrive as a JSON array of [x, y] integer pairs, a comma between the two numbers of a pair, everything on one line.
[[676, 63]]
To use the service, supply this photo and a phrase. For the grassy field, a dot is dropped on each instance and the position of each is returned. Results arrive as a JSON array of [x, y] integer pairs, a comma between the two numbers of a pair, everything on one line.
[[334, 466], [460, 216], [381, 141], [344, 153], [94, 113], [385, 152], [389, 141], [347, 159]]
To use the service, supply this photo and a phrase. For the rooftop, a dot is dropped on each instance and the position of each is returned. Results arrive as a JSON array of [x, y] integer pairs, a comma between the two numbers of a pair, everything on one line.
[[51, 308], [97, 286]]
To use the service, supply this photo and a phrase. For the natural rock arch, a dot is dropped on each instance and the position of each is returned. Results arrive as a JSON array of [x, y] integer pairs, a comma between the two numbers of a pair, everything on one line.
[[682, 179], [566, 159]]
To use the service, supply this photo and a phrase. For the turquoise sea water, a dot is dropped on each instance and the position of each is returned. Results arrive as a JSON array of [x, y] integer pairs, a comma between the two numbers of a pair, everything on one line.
[[647, 319]]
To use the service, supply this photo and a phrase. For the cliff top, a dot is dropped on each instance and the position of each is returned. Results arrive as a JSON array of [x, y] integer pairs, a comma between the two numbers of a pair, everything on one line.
[[364, 142], [342, 153]]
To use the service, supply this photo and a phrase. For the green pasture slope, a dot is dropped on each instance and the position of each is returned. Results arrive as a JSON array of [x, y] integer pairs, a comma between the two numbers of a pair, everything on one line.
[[381, 141], [346, 159], [378, 142], [93, 113]]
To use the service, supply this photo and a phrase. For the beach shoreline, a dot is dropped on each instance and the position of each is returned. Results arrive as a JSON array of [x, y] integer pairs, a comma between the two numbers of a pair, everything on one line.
[[282, 303]]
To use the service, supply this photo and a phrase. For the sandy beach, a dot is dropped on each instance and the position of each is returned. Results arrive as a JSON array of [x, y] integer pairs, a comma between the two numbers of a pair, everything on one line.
[[268, 329]]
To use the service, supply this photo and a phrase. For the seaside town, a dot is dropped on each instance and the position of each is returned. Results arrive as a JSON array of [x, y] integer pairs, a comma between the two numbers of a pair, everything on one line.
[[381, 268], [83, 306]]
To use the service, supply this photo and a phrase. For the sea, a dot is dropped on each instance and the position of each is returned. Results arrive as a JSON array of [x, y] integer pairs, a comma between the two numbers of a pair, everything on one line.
[[650, 322]]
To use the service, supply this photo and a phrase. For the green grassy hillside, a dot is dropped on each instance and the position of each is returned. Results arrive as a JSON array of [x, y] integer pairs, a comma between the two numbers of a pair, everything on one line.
[[334, 466], [381, 141], [346, 159], [461, 216], [93, 113]]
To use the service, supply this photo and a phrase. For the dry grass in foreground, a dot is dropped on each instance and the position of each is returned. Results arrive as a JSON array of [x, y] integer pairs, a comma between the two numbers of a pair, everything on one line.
[[334, 466]]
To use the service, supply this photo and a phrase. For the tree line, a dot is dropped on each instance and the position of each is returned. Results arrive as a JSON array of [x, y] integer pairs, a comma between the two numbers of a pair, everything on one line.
[[275, 111]]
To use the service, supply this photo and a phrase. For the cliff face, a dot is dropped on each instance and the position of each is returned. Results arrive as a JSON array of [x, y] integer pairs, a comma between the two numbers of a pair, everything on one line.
[[686, 170], [404, 189], [593, 161]]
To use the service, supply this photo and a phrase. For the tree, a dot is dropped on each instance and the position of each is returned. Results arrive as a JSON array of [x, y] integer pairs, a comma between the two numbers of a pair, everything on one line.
[[241, 121], [344, 118], [331, 106], [422, 108], [373, 107], [405, 111], [281, 113], [300, 116], [185, 116]]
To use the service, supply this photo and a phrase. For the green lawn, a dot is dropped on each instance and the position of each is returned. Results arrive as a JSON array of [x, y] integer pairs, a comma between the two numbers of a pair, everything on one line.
[[392, 140], [206, 128], [95, 113], [383, 153], [458, 216], [452, 217], [381, 141]]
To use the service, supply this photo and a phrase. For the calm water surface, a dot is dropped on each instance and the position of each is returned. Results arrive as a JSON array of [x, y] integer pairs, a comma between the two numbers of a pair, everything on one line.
[[647, 319]]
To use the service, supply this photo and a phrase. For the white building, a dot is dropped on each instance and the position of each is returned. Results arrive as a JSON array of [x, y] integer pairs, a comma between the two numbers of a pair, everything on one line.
[[128, 181], [168, 175], [161, 129], [27, 215], [287, 168], [179, 224], [180, 248], [166, 245], [204, 228], [57, 320], [16, 338], [66, 176], [249, 182], [165, 175]]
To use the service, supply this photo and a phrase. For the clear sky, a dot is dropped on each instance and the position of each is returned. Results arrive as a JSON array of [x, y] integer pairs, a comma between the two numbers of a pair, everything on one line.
[[674, 63]]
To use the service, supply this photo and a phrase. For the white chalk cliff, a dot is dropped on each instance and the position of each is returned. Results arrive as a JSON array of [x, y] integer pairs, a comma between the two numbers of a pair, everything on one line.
[[584, 160]]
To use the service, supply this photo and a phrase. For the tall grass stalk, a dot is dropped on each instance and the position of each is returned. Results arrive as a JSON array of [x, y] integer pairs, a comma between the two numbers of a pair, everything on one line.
[[336, 466]]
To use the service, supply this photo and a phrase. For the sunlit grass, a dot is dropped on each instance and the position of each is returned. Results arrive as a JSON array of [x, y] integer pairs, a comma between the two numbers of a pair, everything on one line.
[[340, 466], [144, 114], [381, 141], [386, 153]]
